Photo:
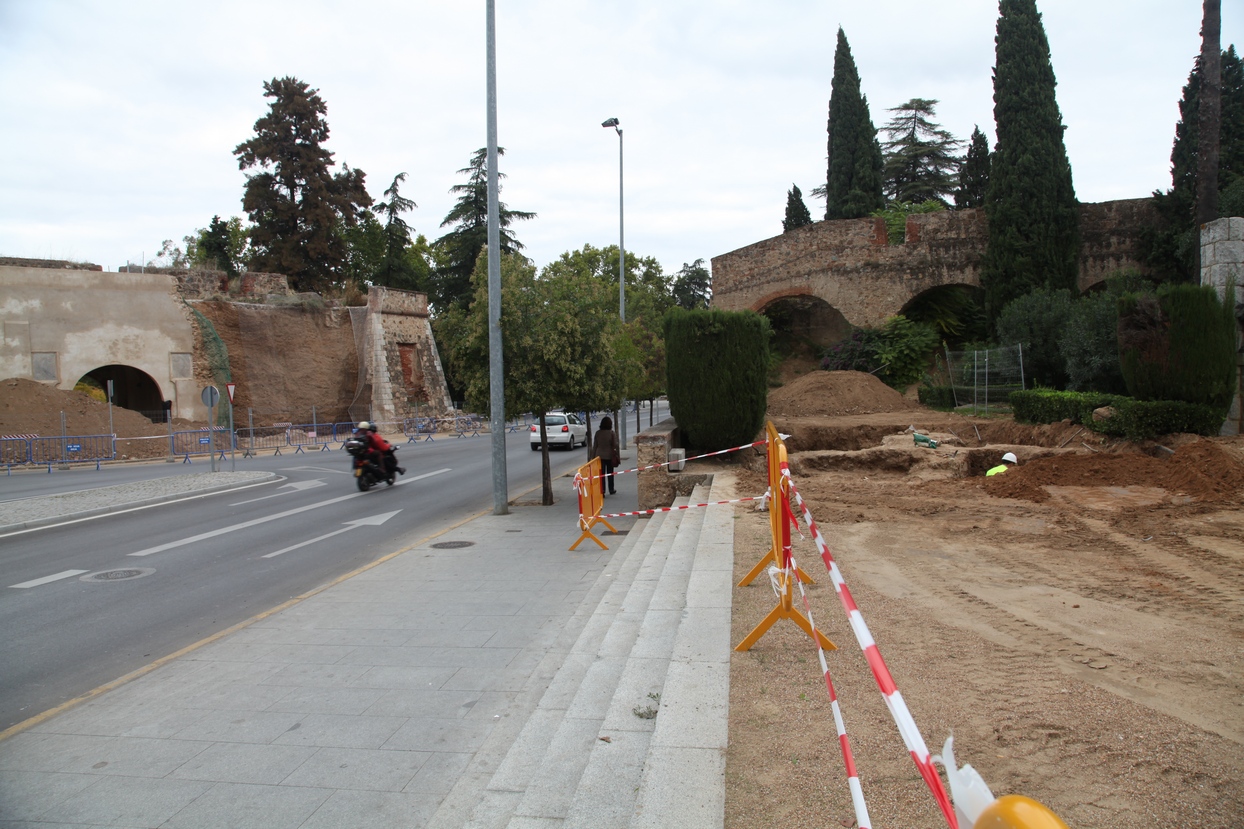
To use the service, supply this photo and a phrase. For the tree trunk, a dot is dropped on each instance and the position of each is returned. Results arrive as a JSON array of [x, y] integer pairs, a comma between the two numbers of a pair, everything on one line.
[[1209, 115], [546, 477]]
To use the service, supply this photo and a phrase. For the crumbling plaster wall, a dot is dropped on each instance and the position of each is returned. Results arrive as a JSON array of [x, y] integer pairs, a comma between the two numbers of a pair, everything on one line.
[[850, 264], [61, 324]]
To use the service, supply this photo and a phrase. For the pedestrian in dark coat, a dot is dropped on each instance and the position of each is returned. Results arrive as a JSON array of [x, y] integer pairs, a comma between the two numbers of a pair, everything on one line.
[[605, 447]]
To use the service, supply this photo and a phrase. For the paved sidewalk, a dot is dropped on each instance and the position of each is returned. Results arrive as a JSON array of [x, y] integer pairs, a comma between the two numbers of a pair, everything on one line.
[[363, 703]]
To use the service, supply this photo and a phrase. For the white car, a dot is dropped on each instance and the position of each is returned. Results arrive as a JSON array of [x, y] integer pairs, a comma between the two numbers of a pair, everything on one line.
[[564, 429]]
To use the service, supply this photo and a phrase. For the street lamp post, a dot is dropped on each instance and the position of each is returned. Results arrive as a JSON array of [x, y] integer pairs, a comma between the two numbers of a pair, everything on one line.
[[613, 122]]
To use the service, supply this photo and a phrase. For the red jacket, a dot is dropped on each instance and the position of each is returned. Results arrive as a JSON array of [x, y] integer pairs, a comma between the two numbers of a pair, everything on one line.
[[377, 443]]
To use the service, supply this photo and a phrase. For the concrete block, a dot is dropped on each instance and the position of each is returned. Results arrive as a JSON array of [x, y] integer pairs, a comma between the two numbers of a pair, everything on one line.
[[1215, 231], [1235, 228], [683, 787]]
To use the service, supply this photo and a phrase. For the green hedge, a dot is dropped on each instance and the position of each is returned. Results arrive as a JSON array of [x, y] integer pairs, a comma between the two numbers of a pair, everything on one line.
[[1133, 419], [716, 366], [937, 397]]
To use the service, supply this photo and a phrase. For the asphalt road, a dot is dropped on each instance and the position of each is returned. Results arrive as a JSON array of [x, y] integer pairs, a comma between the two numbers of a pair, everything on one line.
[[196, 567]]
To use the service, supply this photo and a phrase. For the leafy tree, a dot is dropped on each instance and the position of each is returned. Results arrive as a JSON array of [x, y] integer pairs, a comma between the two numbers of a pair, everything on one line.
[[1089, 341], [974, 172], [458, 249], [853, 183], [1174, 246], [1037, 321], [1034, 235], [297, 204], [222, 246], [897, 352], [557, 347], [797, 214], [954, 311], [919, 156], [693, 285], [365, 245]]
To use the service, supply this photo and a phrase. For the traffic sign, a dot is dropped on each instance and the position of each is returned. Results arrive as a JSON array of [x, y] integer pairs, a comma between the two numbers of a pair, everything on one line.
[[211, 396], [230, 388]]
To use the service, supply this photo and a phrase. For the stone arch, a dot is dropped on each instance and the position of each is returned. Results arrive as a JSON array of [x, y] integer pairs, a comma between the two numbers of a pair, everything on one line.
[[804, 317], [132, 388], [919, 304]]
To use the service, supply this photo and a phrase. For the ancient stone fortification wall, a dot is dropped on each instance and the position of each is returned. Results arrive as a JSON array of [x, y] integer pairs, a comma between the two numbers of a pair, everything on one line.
[[59, 264], [851, 265], [406, 374], [196, 284]]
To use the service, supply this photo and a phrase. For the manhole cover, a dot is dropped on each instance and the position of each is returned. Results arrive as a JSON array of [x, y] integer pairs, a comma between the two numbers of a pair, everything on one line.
[[118, 575], [452, 545]]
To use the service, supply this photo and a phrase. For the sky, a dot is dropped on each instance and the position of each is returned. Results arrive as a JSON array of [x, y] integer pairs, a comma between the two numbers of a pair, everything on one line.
[[118, 121]]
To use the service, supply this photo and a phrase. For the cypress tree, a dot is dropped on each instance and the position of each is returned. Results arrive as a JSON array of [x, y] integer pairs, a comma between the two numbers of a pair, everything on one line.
[[1034, 233], [797, 214], [974, 173], [853, 183]]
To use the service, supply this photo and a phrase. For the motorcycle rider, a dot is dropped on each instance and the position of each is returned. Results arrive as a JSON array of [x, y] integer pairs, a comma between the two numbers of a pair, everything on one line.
[[381, 448]]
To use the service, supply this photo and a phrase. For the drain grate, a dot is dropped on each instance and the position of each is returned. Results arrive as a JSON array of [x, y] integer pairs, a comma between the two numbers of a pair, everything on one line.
[[452, 545], [118, 575]]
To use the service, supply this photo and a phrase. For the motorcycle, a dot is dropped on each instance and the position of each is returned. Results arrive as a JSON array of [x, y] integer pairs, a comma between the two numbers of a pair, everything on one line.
[[367, 473]]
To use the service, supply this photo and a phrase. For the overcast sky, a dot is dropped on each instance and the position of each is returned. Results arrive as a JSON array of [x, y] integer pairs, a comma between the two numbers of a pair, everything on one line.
[[118, 120]]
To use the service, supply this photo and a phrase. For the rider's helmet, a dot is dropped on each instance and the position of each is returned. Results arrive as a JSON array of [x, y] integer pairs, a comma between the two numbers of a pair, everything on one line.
[[373, 427], [364, 426]]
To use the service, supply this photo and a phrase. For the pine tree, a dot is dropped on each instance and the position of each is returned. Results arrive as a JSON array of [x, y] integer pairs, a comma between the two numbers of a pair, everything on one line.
[[297, 205], [853, 182], [458, 249], [397, 269], [1034, 234], [974, 172], [797, 214], [919, 157]]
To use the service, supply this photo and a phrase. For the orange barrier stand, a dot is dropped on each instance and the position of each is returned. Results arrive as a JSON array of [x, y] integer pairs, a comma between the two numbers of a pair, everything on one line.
[[779, 526], [591, 499], [775, 516]]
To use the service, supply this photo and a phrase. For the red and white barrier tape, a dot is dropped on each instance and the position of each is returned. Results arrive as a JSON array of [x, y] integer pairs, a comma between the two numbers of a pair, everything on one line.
[[885, 682], [673, 509], [684, 460]]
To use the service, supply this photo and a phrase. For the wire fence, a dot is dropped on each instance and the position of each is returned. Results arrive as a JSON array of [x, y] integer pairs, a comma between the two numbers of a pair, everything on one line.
[[985, 377]]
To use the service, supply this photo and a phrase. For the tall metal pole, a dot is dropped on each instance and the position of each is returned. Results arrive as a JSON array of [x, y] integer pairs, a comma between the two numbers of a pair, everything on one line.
[[621, 281], [496, 365]]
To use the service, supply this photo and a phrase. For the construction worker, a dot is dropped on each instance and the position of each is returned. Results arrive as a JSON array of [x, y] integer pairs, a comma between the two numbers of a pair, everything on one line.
[[1007, 461]]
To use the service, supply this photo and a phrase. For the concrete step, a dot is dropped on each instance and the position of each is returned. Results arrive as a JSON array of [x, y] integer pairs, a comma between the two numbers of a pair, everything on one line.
[[495, 803], [684, 777], [607, 791], [550, 791], [470, 796]]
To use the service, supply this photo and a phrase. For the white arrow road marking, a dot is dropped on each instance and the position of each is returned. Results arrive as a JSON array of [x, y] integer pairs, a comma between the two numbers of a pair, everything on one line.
[[316, 469], [373, 521], [293, 486], [257, 521], [67, 574]]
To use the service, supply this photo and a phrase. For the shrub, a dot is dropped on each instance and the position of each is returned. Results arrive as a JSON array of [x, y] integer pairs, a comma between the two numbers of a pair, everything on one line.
[[897, 353], [1036, 320], [937, 397], [1132, 419], [1089, 345], [716, 363], [857, 352], [1051, 406], [1179, 345]]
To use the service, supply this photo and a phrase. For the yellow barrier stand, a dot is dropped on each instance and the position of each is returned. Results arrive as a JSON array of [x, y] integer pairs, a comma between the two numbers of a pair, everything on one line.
[[591, 499], [779, 527], [776, 446]]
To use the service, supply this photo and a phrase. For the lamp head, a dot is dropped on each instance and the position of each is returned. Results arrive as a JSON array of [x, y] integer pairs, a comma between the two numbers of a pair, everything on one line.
[[612, 122]]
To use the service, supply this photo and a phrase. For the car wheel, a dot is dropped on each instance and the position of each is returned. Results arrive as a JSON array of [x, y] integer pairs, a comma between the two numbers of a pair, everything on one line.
[[535, 447]]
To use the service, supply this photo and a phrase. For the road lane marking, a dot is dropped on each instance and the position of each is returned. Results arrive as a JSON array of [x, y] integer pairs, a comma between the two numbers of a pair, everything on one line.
[[313, 469], [373, 521], [265, 519], [67, 574], [293, 486]]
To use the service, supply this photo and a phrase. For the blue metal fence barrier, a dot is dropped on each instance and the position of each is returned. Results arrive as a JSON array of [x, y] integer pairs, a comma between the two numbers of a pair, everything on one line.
[[467, 426], [201, 442], [311, 435], [14, 451], [261, 437], [73, 449]]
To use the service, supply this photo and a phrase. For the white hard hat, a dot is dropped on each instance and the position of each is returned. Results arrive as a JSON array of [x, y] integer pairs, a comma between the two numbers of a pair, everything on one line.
[[1009, 457], [364, 426]]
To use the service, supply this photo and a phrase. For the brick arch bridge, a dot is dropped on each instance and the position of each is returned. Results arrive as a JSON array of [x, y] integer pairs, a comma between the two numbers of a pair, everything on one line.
[[834, 274]]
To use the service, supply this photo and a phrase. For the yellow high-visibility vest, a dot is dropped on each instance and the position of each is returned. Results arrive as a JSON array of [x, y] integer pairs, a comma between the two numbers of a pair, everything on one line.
[[997, 470]]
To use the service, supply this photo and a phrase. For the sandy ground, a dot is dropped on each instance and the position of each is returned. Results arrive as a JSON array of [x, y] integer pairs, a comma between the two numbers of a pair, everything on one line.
[[1077, 624]]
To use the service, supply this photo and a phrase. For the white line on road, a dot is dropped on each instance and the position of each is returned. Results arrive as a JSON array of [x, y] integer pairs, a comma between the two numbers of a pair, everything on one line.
[[67, 574], [315, 469], [294, 486], [257, 521], [373, 521]]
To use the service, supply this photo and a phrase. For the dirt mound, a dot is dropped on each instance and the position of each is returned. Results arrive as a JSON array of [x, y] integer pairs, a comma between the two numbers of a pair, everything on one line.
[[834, 394], [1202, 470], [30, 408]]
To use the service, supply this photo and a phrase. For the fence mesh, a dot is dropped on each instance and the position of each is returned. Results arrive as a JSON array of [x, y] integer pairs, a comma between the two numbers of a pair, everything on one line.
[[984, 378]]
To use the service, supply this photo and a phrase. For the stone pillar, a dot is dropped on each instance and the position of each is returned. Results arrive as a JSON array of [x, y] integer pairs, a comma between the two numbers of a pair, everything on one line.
[[1222, 264]]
